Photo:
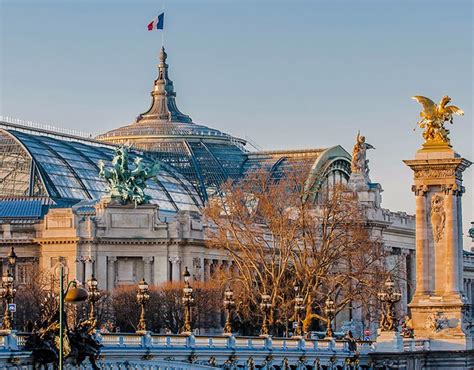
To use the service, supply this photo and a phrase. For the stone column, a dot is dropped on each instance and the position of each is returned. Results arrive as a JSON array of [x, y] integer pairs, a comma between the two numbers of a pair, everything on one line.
[[175, 268], [403, 281], [207, 269], [422, 247], [79, 271], [89, 272], [100, 272], [451, 253], [111, 273], [437, 308], [147, 269]]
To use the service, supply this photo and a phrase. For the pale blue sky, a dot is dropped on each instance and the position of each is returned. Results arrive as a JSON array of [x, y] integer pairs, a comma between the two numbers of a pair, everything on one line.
[[288, 74]]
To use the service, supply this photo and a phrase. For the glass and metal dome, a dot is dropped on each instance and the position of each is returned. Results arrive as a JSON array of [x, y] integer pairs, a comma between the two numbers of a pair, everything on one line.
[[66, 171], [205, 156]]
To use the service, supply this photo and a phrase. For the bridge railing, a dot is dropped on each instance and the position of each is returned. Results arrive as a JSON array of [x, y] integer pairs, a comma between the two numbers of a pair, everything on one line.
[[16, 341]]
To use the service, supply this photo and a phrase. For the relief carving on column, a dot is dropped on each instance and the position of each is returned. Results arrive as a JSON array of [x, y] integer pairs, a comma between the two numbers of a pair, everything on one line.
[[420, 190], [436, 322], [438, 216]]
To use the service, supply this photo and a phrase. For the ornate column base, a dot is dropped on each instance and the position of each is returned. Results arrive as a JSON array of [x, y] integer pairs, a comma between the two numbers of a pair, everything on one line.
[[442, 321]]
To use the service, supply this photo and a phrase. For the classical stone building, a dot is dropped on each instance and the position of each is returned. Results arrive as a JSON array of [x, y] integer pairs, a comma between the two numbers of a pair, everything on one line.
[[53, 212]]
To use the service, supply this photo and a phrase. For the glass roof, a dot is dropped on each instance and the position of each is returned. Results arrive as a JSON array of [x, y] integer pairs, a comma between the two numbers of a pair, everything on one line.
[[69, 171]]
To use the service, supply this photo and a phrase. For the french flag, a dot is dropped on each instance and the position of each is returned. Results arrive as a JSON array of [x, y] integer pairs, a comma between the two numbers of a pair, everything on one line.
[[157, 23]]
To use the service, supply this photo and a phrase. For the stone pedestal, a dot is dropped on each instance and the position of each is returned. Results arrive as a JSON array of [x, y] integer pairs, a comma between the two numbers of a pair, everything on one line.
[[438, 306], [389, 341]]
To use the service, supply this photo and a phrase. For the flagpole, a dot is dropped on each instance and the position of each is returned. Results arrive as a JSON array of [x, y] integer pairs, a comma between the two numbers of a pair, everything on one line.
[[163, 30]]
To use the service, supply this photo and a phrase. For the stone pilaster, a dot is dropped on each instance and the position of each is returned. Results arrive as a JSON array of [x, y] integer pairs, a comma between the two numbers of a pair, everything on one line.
[[160, 269]]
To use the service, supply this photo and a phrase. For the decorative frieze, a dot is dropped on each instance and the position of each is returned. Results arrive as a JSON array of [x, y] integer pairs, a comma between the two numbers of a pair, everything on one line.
[[430, 173]]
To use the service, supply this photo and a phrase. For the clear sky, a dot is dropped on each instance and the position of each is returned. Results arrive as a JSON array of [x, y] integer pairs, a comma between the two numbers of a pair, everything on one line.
[[287, 74]]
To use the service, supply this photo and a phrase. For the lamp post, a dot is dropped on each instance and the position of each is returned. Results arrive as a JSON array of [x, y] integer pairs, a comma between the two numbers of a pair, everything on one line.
[[330, 311], [229, 304], [188, 302], [93, 297], [143, 296], [72, 294], [298, 310], [7, 290], [388, 297], [265, 305]]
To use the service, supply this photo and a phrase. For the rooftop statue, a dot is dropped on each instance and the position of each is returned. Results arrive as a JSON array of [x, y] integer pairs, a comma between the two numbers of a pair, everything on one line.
[[359, 158], [433, 118], [127, 185]]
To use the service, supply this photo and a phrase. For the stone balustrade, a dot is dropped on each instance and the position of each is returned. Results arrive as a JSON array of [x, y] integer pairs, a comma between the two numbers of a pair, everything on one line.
[[154, 351]]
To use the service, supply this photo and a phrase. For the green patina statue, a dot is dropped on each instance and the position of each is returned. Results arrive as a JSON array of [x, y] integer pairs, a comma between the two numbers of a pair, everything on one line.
[[127, 185]]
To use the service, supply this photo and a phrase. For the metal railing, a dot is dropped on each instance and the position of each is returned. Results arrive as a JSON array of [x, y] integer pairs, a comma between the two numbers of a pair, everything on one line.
[[45, 127]]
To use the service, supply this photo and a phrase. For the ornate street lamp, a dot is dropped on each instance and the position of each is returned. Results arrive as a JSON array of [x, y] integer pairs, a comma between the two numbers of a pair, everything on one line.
[[7, 290], [73, 294], [188, 302], [12, 259], [298, 310], [330, 311], [265, 305], [229, 304], [388, 298], [143, 296], [93, 297]]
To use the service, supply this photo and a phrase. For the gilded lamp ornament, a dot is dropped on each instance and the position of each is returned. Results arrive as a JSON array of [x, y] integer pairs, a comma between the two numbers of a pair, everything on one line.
[[433, 118]]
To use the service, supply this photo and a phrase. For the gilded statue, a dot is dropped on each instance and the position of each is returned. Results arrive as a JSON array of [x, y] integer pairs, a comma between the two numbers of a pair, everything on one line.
[[127, 185], [433, 118], [359, 163]]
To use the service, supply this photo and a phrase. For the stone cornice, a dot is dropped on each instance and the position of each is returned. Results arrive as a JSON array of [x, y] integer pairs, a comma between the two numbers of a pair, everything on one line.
[[70, 240], [446, 168], [18, 241]]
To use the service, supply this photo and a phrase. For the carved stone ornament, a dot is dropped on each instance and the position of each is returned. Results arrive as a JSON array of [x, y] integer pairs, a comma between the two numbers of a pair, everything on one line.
[[438, 217], [420, 190], [452, 189], [434, 173], [436, 322]]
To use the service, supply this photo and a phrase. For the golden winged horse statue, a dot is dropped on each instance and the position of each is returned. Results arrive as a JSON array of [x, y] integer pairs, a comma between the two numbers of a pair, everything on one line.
[[433, 118]]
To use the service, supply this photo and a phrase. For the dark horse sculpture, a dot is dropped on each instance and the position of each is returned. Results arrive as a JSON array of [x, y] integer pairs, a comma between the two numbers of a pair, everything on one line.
[[78, 343]]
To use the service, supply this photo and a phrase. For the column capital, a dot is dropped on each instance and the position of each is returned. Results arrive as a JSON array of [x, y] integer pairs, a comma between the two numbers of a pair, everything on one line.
[[420, 190], [453, 189], [404, 252], [111, 259], [147, 259], [174, 259]]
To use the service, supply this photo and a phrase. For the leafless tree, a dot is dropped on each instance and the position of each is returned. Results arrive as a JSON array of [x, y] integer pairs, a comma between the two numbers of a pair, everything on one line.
[[280, 229]]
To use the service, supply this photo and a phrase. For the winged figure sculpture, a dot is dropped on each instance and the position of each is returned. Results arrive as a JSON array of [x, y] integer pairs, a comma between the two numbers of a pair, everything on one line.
[[434, 116]]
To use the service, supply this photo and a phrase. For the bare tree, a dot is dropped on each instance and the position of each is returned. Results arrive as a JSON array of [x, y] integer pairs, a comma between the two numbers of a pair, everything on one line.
[[281, 230]]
